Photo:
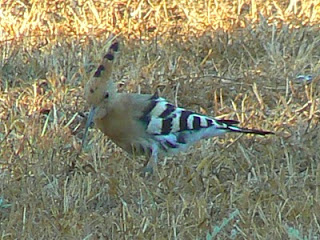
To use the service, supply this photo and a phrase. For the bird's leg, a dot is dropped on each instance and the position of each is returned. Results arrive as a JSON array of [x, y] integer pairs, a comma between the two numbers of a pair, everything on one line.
[[153, 160]]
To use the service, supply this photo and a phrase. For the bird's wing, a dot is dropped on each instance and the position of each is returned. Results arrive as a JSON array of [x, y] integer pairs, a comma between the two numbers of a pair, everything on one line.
[[163, 118]]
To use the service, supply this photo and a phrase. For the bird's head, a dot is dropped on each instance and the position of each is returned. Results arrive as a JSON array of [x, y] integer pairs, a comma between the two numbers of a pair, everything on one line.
[[100, 89]]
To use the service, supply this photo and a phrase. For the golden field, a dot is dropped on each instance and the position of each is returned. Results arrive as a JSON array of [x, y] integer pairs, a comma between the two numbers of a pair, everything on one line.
[[230, 59]]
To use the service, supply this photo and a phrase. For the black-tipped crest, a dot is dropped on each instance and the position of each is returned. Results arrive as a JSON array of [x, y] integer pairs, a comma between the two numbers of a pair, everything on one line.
[[99, 71], [109, 56], [115, 46], [100, 83]]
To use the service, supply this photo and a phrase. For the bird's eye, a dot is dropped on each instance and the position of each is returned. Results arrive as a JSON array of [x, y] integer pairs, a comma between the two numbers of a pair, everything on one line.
[[106, 95]]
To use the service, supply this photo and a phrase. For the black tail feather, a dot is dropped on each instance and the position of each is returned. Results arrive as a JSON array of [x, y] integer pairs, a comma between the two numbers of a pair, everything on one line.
[[252, 131], [227, 121], [229, 124]]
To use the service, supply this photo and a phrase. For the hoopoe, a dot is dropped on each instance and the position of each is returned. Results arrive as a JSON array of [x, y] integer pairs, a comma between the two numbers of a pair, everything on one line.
[[143, 124]]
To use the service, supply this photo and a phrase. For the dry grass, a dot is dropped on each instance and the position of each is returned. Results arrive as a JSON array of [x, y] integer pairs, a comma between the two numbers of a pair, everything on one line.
[[235, 59]]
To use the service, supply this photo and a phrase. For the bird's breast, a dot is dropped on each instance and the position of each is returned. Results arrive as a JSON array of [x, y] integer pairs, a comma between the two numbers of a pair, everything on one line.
[[123, 131]]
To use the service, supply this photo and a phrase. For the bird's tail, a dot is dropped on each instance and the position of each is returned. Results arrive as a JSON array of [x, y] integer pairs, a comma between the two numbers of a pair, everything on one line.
[[229, 125]]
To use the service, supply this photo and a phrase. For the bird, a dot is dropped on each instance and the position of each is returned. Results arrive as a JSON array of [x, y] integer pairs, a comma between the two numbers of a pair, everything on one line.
[[146, 124]]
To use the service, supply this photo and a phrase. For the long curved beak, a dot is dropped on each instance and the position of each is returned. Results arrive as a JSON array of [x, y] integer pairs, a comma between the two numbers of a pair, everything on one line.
[[88, 124]]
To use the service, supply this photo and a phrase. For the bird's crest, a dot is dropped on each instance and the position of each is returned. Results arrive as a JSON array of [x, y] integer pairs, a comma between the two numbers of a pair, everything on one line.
[[100, 86], [100, 82]]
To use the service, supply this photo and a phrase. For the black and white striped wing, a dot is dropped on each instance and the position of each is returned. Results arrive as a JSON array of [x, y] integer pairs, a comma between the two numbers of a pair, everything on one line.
[[176, 128], [163, 118]]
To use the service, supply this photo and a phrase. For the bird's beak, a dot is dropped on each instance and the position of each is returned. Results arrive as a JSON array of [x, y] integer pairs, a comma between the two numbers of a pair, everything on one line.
[[88, 124]]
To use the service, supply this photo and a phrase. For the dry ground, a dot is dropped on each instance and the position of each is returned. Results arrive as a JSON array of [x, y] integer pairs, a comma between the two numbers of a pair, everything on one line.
[[232, 59]]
